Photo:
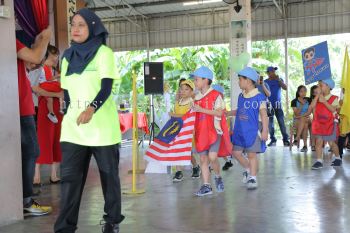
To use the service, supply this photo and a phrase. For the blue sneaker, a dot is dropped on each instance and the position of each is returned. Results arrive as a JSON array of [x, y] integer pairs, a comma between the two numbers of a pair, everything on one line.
[[219, 184], [204, 190]]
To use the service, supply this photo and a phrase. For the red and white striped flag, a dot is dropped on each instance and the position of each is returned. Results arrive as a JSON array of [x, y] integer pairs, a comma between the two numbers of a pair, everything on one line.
[[173, 145]]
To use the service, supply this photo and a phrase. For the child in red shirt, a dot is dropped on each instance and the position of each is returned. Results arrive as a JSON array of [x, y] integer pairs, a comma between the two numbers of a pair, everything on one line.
[[325, 122]]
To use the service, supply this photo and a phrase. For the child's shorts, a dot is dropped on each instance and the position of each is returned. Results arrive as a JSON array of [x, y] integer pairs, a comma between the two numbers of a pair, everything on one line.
[[328, 138], [213, 148], [255, 148]]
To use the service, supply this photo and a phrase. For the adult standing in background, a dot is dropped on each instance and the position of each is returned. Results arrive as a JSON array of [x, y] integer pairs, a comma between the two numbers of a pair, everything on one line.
[[90, 125], [29, 141], [276, 84]]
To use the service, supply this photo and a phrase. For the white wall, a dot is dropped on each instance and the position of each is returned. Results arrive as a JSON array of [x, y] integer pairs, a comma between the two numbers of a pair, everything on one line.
[[10, 156]]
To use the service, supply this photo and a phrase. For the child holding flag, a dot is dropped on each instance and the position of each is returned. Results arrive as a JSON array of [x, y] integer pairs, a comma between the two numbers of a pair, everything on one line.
[[325, 122], [182, 106], [211, 132], [250, 116]]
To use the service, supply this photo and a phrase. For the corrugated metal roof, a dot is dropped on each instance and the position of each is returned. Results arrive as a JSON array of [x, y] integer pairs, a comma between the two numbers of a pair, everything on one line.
[[121, 8]]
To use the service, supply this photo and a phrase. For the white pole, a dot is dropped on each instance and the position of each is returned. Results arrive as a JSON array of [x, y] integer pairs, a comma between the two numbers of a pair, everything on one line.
[[286, 54]]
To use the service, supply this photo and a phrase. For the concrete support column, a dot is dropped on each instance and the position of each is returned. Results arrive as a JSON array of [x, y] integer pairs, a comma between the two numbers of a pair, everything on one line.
[[11, 196], [240, 41]]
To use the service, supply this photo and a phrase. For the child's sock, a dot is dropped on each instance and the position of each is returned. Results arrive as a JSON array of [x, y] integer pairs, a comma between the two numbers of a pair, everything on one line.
[[320, 160], [217, 176], [252, 177], [334, 158]]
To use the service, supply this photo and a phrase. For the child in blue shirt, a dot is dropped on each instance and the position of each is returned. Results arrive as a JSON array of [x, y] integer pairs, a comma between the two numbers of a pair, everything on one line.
[[250, 116]]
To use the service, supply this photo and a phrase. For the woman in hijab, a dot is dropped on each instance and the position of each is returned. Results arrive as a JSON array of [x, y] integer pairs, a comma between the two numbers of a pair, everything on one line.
[[90, 125]]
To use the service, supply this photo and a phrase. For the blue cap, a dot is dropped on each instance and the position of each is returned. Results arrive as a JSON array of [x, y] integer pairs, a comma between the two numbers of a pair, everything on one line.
[[250, 73], [218, 88], [271, 68], [329, 82], [203, 72]]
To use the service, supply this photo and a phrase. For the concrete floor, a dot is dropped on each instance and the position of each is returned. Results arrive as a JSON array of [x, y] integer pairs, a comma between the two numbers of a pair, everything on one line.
[[290, 198]]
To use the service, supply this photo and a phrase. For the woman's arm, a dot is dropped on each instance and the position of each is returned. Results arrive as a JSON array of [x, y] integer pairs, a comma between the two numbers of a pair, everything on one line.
[[103, 94], [100, 99]]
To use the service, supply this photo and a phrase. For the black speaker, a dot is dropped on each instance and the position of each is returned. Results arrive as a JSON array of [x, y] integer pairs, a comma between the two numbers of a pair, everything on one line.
[[153, 78]]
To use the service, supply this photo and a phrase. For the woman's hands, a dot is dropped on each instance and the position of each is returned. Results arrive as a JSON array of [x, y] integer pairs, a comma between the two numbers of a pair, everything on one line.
[[86, 116]]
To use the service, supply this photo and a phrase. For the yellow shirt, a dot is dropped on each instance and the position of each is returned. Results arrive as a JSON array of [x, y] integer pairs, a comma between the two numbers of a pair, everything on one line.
[[183, 106]]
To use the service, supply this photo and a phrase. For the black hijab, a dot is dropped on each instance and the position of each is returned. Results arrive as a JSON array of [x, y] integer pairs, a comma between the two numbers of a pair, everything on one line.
[[79, 55]]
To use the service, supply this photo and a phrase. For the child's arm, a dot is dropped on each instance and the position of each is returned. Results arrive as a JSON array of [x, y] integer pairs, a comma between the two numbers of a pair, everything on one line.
[[231, 113], [297, 111], [330, 107], [217, 112], [265, 124], [311, 107]]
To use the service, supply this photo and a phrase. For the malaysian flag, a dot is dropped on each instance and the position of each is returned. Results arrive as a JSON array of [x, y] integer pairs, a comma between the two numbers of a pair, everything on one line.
[[173, 145]]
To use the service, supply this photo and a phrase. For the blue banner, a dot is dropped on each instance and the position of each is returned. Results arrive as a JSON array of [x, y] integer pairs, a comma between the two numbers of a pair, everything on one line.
[[316, 63], [170, 129]]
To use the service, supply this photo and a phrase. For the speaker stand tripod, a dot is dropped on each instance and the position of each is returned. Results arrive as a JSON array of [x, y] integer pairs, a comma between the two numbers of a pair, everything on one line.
[[152, 124]]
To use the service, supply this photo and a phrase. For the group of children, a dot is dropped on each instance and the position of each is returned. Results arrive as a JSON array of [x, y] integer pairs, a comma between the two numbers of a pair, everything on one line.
[[250, 131], [324, 125], [211, 135]]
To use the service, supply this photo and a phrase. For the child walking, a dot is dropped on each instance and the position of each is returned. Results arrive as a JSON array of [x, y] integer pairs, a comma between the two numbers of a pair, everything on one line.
[[325, 123], [228, 160], [251, 126], [182, 105], [211, 132]]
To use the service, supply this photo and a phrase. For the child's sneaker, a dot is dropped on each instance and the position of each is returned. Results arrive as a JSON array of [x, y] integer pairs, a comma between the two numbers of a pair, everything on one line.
[[52, 117], [227, 165], [245, 177], [252, 184], [336, 163], [196, 172], [178, 177], [204, 190], [35, 209], [304, 149], [317, 165], [219, 184]]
